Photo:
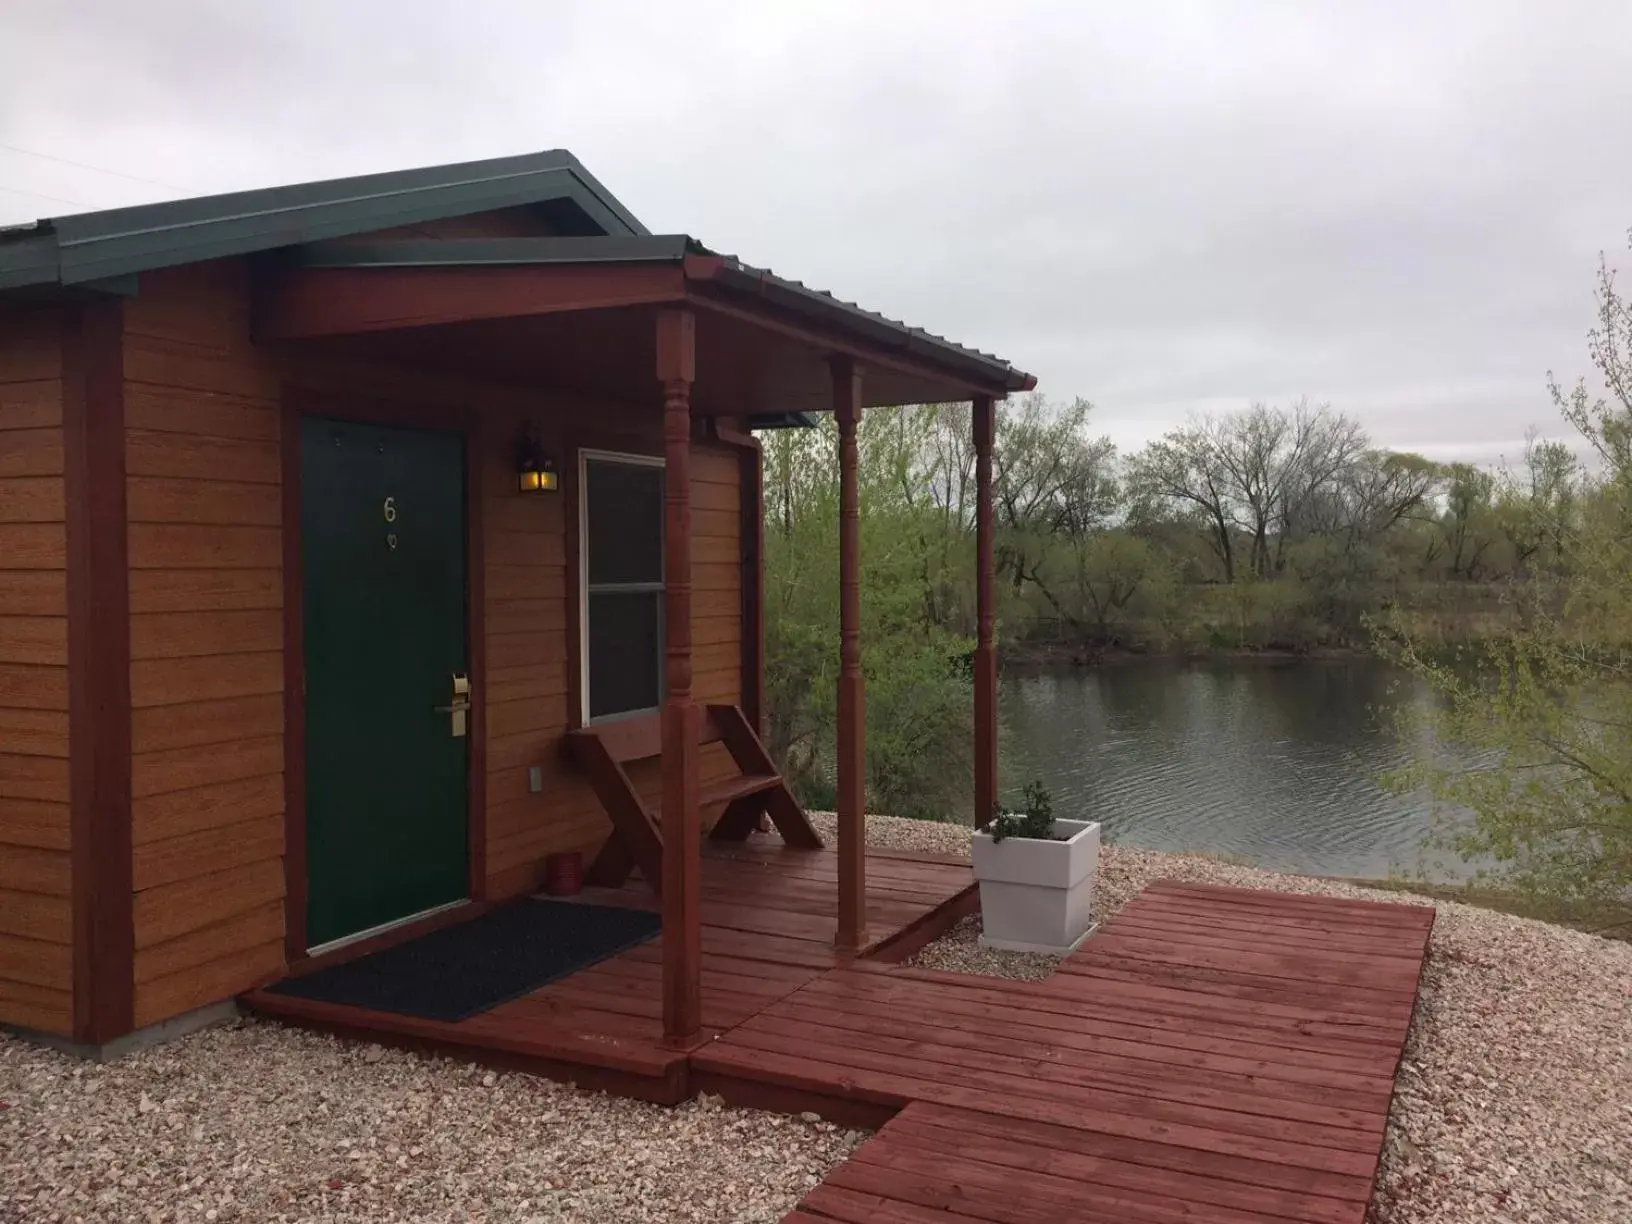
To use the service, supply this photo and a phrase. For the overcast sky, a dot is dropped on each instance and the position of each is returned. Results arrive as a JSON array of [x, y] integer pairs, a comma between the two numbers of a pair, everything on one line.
[[1396, 208]]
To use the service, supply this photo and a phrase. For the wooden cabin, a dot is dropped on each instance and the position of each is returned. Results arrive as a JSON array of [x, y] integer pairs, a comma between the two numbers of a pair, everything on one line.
[[364, 543]]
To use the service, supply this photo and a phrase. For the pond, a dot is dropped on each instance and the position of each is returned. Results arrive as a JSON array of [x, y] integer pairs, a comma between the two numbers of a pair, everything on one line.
[[1277, 763]]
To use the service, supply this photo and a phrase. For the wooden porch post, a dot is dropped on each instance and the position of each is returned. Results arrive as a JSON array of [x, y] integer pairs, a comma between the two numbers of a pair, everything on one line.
[[852, 753], [985, 430], [681, 727]]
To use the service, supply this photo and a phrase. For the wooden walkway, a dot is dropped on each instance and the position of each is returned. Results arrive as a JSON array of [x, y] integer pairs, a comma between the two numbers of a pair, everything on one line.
[[1213, 1054]]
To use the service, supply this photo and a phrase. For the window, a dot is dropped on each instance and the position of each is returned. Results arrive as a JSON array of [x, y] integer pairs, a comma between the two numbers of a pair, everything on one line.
[[621, 550]]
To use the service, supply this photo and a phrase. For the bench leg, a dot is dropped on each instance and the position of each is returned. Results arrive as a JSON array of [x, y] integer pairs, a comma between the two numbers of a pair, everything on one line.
[[613, 866], [790, 818], [636, 840], [740, 818], [745, 748]]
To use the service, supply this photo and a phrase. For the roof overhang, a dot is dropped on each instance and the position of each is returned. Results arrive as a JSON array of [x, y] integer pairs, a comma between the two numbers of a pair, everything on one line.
[[781, 420], [334, 290]]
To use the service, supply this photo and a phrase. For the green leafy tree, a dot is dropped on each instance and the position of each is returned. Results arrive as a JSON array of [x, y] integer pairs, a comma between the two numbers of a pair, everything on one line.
[[919, 692], [1468, 523], [1545, 708], [1052, 480], [1538, 511], [1103, 584]]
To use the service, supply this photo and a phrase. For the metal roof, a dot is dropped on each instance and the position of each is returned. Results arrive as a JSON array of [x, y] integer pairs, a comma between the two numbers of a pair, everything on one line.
[[89, 247], [108, 250], [493, 252], [914, 340]]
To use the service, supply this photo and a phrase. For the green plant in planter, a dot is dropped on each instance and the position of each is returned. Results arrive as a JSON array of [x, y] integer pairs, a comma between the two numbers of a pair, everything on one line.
[[1034, 820]]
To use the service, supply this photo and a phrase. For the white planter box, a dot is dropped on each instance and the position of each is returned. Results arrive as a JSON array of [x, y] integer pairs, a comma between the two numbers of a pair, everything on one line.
[[1038, 896]]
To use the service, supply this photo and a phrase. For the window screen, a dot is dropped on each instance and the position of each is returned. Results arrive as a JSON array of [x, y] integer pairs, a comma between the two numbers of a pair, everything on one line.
[[623, 567]]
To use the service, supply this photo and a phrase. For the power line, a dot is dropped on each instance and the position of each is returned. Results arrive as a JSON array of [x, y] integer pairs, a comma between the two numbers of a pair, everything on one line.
[[40, 195], [66, 161]]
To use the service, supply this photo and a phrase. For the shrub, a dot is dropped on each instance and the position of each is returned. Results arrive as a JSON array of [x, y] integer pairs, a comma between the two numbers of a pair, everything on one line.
[[1035, 820]]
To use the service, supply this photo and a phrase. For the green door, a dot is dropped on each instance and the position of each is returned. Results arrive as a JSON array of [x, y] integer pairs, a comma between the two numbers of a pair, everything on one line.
[[383, 544]]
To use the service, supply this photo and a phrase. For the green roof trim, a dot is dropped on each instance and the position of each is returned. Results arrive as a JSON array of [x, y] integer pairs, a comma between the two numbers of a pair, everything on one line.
[[27, 258], [492, 252], [95, 246]]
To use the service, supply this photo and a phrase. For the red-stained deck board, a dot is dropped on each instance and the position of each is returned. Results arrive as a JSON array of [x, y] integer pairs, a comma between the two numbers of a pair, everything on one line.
[[1213, 1054], [1317, 1027], [768, 915], [1083, 1059], [1072, 1040]]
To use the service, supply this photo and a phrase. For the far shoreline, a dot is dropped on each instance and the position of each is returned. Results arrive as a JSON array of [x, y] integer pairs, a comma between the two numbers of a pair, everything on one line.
[[1034, 656]]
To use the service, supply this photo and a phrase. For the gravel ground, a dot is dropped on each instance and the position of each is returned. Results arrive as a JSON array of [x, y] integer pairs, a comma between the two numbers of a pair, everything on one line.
[[1514, 1101], [257, 1122], [1514, 1104]]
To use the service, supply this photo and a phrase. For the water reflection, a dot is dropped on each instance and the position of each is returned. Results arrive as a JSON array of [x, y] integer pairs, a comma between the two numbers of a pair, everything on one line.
[[1277, 763]]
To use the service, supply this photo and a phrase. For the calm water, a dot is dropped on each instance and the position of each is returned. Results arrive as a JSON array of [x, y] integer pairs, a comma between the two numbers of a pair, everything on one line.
[[1276, 763]]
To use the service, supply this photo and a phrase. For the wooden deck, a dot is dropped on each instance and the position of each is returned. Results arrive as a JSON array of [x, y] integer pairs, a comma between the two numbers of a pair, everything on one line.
[[1212, 1054], [769, 918]]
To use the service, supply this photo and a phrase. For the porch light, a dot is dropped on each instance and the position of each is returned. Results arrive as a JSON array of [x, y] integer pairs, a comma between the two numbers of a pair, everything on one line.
[[535, 471]]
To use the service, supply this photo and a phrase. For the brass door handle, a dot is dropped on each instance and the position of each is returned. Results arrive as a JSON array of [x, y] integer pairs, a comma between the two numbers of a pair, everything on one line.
[[458, 710]]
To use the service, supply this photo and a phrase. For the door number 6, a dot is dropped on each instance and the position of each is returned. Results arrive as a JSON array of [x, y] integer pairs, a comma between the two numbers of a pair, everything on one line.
[[390, 509]]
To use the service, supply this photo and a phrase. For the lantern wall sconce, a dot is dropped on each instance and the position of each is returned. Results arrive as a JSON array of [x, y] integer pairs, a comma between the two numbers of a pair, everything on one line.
[[535, 471]]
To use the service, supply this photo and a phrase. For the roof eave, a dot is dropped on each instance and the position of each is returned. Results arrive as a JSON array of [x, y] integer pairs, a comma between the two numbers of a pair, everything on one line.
[[711, 272], [491, 252], [33, 260], [964, 363]]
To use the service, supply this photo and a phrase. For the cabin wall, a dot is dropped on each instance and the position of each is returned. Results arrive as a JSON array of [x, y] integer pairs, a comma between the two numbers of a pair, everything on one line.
[[203, 462], [36, 911], [204, 489], [532, 608]]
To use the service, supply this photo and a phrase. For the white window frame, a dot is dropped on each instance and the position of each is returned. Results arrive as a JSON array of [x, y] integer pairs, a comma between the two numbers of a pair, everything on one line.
[[587, 456]]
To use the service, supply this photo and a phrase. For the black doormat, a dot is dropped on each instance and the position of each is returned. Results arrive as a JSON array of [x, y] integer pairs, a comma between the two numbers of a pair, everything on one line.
[[458, 971]]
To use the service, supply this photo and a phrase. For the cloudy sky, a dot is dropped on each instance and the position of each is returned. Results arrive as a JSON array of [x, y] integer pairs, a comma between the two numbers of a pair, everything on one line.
[[1163, 208]]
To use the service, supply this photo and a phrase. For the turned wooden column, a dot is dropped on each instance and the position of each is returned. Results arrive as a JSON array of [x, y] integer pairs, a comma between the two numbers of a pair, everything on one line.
[[681, 726], [985, 430], [852, 735]]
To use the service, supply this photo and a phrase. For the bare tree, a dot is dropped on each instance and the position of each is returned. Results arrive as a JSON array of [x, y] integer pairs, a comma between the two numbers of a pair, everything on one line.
[[1183, 471], [1251, 449], [1323, 454], [1368, 496], [1050, 478], [1256, 474]]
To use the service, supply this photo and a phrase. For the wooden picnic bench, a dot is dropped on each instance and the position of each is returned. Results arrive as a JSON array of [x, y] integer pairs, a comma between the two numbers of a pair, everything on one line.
[[603, 750]]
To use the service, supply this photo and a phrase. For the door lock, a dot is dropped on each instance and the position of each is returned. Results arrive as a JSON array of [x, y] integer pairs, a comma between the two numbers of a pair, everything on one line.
[[458, 709]]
